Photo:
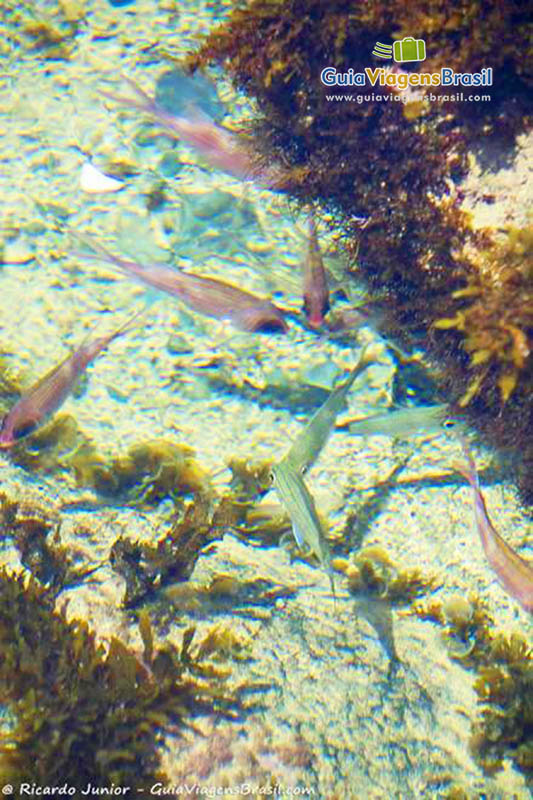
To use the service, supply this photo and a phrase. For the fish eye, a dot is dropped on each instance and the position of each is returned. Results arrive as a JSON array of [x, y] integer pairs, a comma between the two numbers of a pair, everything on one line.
[[271, 478], [269, 326], [449, 423]]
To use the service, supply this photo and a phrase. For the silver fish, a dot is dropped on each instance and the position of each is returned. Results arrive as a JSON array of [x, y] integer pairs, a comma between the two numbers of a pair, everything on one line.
[[300, 506], [404, 422], [287, 475], [308, 444]]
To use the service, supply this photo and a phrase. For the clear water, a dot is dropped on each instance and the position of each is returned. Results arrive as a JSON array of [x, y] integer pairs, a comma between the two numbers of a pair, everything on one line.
[[335, 722]]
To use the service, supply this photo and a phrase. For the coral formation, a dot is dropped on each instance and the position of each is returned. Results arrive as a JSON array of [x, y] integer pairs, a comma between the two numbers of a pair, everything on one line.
[[504, 681], [83, 713], [462, 295]]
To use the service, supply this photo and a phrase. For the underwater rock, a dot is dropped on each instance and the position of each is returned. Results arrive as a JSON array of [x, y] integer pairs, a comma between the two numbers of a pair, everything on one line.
[[277, 391], [463, 296]]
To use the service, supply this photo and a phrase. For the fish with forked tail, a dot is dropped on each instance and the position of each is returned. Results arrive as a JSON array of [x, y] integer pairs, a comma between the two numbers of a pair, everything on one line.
[[513, 572], [308, 444], [287, 474], [208, 296], [49, 393]]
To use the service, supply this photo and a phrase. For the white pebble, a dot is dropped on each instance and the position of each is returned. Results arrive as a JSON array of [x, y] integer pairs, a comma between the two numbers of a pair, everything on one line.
[[93, 181]]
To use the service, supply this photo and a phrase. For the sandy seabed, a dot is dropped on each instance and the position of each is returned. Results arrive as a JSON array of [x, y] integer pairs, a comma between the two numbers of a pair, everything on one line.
[[332, 722]]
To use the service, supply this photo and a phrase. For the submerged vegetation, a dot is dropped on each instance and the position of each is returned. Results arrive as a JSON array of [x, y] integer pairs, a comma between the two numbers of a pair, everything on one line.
[[146, 567], [35, 532], [504, 681], [143, 476], [378, 586], [84, 712], [375, 574], [465, 295]]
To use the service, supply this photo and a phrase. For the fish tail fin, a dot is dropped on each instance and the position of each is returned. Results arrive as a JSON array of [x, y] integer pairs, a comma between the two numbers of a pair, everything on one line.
[[367, 357], [93, 244], [141, 100], [129, 323], [101, 253]]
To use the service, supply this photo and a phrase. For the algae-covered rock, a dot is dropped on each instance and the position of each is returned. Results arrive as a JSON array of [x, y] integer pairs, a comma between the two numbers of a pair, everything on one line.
[[394, 161], [84, 713]]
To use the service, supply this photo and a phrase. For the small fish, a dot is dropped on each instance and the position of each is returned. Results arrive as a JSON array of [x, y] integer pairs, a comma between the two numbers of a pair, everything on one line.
[[49, 393], [307, 446], [287, 475], [514, 573], [221, 148], [207, 296], [300, 506], [315, 284], [404, 422]]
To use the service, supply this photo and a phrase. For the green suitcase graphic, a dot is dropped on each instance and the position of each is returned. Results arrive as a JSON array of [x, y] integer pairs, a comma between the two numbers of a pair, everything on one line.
[[409, 49]]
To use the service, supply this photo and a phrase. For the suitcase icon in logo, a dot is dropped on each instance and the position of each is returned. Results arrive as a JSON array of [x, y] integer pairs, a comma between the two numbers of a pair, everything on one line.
[[409, 49]]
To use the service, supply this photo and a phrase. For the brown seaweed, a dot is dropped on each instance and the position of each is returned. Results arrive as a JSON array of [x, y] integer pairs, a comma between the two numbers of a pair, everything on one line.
[[84, 713]]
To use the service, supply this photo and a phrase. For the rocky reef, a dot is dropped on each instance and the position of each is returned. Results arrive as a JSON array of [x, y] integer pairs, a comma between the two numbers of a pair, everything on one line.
[[388, 163]]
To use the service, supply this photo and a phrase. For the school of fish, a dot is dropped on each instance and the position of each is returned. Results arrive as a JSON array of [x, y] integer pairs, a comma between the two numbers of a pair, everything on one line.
[[209, 296]]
